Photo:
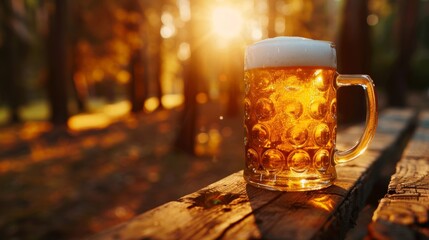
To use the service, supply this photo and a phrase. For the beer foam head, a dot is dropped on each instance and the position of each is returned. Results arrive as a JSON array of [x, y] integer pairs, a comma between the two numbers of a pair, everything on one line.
[[289, 52]]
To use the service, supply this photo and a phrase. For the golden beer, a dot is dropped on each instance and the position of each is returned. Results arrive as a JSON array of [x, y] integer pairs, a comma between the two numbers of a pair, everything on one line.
[[290, 115]]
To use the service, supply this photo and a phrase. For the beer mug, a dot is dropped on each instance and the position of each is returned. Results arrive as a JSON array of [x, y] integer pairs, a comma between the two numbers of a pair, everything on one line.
[[290, 115]]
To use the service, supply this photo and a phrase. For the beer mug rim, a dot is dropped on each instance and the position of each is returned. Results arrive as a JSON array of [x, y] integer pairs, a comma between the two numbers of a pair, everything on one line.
[[290, 52]]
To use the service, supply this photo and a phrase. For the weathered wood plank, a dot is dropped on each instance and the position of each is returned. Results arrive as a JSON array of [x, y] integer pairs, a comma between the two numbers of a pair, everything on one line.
[[403, 212], [200, 215], [419, 146], [231, 209]]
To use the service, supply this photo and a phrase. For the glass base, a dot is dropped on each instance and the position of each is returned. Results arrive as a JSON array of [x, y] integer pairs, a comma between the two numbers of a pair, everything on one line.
[[290, 184]]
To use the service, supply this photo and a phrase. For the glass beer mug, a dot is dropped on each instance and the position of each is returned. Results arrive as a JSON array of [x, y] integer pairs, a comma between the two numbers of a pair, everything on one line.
[[290, 114]]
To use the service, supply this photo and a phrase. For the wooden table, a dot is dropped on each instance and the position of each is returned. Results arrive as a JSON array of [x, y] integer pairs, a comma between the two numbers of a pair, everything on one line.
[[403, 212], [231, 209]]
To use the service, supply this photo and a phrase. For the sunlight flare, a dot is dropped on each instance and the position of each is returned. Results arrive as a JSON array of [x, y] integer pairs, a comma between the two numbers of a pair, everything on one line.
[[170, 101], [226, 22], [82, 122]]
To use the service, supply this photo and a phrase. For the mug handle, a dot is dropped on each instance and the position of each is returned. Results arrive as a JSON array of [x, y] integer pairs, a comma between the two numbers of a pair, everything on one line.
[[371, 115]]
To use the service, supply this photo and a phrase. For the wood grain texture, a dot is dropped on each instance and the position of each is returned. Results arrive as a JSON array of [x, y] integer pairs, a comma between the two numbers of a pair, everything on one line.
[[419, 146], [231, 209], [403, 212]]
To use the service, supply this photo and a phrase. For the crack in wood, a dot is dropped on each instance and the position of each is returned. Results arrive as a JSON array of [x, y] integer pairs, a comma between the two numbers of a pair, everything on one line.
[[209, 198]]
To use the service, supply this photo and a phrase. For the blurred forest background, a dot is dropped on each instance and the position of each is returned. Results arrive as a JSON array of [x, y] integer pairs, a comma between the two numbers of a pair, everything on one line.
[[95, 95], [60, 59]]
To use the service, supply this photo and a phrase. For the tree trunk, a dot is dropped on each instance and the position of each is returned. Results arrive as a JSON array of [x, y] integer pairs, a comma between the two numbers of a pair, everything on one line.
[[406, 30], [353, 58], [58, 72], [235, 76], [139, 65], [80, 98], [138, 81], [185, 139], [13, 51], [158, 71], [80, 89], [158, 66]]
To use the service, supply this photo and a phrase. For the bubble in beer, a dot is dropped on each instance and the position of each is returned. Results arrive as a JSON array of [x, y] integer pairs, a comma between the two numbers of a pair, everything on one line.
[[321, 160], [318, 108], [294, 109], [252, 160], [247, 108], [297, 135], [264, 109], [299, 161], [321, 134], [260, 134], [273, 160]]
